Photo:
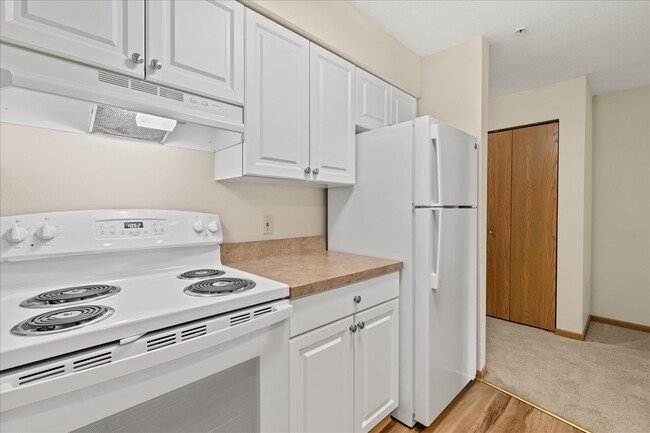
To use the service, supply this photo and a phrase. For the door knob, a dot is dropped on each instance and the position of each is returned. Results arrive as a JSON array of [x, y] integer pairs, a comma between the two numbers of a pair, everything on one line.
[[156, 64], [137, 58], [490, 232]]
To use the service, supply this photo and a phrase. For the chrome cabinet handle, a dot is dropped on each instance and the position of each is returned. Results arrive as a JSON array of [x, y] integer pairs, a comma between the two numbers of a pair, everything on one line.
[[156, 64], [307, 170], [361, 325], [353, 328], [315, 172], [357, 299], [137, 58]]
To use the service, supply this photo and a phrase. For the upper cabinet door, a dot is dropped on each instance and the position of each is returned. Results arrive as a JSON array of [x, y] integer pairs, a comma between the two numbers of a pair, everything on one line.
[[277, 100], [373, 101], [321, 379], [197, 46], [376, 368], [402, 106], [332, 117], [105, 33]]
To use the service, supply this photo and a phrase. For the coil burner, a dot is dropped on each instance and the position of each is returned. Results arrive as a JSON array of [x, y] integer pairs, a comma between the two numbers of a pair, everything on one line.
[[219, 287], [65, 319], [70, 295], [201, 273]]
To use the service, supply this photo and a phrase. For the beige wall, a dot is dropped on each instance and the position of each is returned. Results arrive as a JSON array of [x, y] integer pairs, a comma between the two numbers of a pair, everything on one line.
[[621, 206], [45, 171], [568, 102], [455, 90], [341, 28]]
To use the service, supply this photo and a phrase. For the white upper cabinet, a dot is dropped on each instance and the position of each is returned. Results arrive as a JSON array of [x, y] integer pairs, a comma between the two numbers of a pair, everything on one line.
[[321, 384], [332, 117], [376, 365], [277, 100], [373, 101], [379, 104], [402, 106], [104, 33], [198, 46]]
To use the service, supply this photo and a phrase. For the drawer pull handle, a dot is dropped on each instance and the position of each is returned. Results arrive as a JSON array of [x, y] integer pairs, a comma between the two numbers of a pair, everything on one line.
[[353, 328], [361, 325], [357, 299]]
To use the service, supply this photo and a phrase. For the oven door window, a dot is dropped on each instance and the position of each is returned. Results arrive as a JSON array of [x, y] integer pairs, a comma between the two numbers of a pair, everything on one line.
[[227, 401]]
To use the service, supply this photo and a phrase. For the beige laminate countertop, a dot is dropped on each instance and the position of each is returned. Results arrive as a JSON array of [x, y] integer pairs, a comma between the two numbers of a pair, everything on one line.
[[317, 271]]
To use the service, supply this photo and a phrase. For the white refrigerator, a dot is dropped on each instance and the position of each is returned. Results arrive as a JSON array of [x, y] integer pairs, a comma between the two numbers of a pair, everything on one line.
[[415, 200]]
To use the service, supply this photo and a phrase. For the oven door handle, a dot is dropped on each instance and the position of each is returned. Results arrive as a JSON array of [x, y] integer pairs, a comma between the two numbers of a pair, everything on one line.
[[134, 357]]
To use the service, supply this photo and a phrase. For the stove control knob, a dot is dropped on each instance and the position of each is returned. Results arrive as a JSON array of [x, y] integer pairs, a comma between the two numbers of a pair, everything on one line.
[[198, 226], [16, 234], [47, 231], [213, 226]]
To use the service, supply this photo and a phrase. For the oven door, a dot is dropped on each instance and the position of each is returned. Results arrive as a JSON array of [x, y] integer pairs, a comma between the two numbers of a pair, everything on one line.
[[232, 378]]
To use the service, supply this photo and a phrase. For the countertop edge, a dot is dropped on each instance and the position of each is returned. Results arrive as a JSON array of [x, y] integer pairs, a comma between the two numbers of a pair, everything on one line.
[[304, 290]]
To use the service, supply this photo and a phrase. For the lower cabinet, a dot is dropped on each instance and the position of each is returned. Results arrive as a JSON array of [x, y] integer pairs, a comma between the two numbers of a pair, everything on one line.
[[344, 375]]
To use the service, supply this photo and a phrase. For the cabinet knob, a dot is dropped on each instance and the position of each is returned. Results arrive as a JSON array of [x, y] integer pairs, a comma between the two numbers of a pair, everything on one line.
[[490, 232], [315, 172], [357, 299], [307, 170], [361, 325], [137, 58], [156, 64], [353, 328]]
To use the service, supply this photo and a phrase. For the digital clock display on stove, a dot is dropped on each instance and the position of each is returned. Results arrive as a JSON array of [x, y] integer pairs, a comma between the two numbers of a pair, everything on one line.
[[134, 225]]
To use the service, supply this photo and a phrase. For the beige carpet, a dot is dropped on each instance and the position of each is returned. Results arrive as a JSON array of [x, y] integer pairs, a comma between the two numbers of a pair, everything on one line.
[[601, 384]]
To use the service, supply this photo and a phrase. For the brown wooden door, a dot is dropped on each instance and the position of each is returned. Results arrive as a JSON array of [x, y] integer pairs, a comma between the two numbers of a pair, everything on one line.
[[498, 224], [533, 234], [522, 225]]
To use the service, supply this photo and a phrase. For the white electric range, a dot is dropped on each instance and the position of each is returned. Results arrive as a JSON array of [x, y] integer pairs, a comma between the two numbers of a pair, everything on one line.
[[91, 298]]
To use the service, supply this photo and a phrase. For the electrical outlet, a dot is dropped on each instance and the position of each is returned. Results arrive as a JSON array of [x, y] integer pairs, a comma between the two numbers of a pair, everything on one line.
[[267, 225]]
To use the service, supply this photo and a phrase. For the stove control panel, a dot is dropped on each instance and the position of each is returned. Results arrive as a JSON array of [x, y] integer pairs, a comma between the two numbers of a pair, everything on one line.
[[34, 236], [131, 228]]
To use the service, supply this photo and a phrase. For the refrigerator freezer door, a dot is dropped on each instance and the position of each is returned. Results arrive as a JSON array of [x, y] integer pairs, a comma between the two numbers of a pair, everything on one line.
[[445, 165], [445, 307]]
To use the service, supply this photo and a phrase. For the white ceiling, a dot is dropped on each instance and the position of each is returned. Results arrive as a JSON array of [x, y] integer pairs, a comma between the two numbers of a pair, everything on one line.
[[609, 41]]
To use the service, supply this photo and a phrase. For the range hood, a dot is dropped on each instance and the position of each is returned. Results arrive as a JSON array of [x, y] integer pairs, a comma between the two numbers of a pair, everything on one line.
[[49, 92]]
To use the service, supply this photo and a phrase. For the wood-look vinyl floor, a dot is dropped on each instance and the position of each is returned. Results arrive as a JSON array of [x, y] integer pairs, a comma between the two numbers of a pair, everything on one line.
[[483, 409]]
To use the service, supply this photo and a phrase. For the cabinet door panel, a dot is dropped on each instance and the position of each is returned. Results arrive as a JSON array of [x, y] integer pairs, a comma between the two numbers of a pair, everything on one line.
[[103, 33], [277, 100], [321, 383], [200, 44], [373, 101], [376, 365], [403, 106], [498, 223], [332, 116]]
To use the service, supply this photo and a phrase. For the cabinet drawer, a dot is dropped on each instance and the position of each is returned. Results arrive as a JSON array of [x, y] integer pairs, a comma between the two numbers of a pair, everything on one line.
[[317, 310]]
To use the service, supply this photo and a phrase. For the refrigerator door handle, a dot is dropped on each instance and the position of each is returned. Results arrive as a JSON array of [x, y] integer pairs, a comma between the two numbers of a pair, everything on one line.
[[434, 245], [435, 167]]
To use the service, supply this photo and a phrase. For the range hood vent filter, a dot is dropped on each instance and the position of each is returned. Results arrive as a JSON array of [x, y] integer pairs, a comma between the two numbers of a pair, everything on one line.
[[119, 122]]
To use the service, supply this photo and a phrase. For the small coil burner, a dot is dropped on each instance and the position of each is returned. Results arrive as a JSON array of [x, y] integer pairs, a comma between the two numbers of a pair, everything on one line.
[[65, 319], [70, 295], [200, 273], [219, 287]]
